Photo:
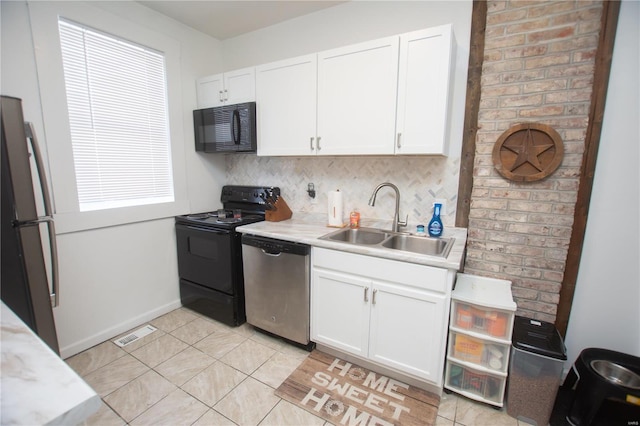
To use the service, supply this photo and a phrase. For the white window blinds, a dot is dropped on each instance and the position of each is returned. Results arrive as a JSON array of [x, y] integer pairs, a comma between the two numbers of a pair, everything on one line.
[[116, 96]]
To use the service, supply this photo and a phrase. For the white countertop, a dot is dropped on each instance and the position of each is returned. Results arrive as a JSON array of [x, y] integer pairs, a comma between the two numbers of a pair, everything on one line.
[[308, 228], [37, 386]]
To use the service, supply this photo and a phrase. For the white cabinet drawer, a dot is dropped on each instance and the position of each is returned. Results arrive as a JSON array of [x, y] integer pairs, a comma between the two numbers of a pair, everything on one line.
[[411, 274]]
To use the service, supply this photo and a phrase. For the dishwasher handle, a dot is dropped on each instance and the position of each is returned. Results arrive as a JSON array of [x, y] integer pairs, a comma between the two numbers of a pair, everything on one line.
[[273, 247]]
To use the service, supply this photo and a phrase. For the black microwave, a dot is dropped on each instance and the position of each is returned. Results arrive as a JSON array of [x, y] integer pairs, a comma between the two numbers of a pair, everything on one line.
[[228, 128]]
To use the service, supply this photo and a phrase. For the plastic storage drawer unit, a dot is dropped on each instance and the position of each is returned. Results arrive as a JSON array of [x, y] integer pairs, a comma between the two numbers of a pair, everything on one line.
[[482, 311], [482, 306], [491, 322], [476, 384], [535, 372], [488, 354]]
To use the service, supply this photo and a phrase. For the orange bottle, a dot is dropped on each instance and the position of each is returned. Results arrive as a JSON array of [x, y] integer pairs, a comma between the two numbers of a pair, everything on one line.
[[354, 219]]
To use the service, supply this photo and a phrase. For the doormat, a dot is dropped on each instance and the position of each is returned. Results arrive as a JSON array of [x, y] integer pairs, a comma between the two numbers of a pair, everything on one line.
[[346, 394]]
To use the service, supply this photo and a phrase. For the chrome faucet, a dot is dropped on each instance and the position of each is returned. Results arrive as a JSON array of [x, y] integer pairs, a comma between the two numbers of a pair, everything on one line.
[[395, 227]]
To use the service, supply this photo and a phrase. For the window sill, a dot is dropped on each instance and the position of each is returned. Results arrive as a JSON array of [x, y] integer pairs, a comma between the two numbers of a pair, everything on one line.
[[75, 221]]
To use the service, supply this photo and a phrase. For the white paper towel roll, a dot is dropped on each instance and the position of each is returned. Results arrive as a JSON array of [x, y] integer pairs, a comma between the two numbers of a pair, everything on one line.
[[334, 210]]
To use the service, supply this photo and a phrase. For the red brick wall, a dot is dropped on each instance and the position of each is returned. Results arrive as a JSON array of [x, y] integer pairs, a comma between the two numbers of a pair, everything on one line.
[[538, 67]]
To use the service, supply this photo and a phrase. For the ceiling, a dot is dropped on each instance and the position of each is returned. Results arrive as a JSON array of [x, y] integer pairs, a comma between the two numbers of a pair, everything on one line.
[[226, 19]]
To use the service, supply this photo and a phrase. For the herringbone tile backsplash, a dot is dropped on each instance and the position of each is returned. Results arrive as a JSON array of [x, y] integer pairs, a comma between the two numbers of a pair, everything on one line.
[[421, 180]]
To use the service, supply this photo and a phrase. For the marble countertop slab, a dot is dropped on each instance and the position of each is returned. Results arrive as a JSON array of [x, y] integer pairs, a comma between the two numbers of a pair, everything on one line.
[[37, 386], [308, 228]]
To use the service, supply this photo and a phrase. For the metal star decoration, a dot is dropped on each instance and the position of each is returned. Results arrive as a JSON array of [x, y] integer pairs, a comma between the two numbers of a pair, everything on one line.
[[528, 152]]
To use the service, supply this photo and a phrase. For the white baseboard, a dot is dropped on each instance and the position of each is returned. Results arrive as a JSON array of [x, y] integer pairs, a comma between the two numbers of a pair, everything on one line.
[[111, 332]]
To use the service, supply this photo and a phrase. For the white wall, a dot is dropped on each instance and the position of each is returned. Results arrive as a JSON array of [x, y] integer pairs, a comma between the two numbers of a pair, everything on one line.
[[114, 278], [347, 23], [605, 310]]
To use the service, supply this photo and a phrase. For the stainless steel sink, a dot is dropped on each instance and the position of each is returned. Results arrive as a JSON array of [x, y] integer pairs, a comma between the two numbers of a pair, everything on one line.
[[366, 236], [422, 245], [378, 238]]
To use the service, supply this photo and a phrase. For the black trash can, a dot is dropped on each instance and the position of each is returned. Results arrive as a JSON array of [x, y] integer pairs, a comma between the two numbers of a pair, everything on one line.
[[535, 371]]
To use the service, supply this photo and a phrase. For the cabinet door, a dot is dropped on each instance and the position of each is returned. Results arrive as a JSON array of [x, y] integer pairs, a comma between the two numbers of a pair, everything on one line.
[[340, 311], [286, 103], [240, 86], [210, 91], [423, 91], [408, 330], [357, 87]]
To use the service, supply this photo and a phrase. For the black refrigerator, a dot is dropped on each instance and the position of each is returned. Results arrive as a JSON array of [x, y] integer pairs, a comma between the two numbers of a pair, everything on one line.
[[27, 286]]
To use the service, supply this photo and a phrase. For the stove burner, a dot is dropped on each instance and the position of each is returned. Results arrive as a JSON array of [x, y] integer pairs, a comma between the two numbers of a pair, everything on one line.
[[229, 220], [199, 216]]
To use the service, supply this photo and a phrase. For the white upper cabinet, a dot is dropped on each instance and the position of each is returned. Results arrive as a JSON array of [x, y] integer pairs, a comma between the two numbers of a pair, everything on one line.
[[232, 87], [426, 63], [286, 106], [210, 90], [382, 97], [357, 88]]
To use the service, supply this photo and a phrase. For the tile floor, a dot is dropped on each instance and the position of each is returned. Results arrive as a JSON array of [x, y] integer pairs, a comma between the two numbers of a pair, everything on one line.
[[196, 371]]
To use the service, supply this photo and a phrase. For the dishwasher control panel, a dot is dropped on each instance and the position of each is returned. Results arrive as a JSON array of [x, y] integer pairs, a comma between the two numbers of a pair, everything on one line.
[[272, 246]]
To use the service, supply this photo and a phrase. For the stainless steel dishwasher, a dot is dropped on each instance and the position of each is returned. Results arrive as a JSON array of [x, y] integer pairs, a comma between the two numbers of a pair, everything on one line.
[[276, 286]]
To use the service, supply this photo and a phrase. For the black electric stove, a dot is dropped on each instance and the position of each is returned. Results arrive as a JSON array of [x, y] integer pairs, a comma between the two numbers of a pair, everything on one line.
[[210, 253]]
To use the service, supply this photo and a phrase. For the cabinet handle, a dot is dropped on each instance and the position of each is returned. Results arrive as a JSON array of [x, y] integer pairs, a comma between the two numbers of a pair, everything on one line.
[[318, 144], [366, 294], [311, 143], [398, 143], [373, 298], [226, 95], [220, 95]]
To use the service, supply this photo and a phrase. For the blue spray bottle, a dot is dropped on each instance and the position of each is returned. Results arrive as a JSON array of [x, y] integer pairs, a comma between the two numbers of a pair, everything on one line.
[[435, 224]]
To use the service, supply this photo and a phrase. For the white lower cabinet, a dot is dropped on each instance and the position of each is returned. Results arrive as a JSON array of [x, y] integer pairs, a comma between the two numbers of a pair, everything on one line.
[[404, 333], [389, 312], [345, 324]]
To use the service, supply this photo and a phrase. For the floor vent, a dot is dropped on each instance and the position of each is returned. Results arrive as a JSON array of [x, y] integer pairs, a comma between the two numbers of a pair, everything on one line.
[[132, 337]]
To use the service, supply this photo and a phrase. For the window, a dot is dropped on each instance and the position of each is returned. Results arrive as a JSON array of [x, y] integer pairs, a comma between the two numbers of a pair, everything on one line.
[[117, 102]]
